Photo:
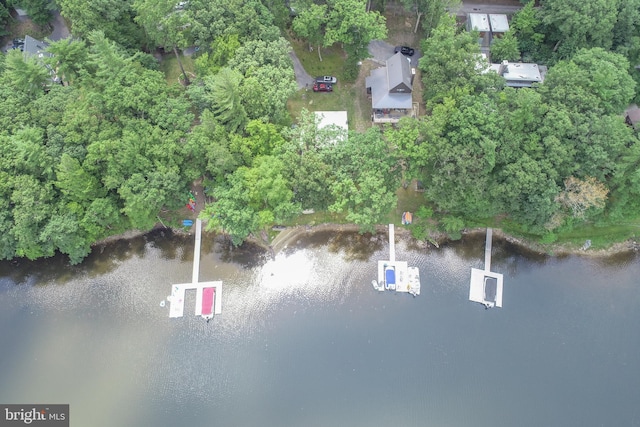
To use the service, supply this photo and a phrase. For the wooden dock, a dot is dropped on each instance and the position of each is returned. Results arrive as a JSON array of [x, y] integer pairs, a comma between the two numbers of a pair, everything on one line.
[[178, 291]]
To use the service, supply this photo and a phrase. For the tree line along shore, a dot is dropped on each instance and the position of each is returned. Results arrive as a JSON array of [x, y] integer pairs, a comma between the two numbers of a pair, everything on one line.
[[97, 141]]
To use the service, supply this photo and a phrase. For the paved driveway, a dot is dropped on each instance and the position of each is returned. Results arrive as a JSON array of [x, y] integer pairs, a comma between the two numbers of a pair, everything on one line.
[[381, 51], [60, 29], [302, 77]]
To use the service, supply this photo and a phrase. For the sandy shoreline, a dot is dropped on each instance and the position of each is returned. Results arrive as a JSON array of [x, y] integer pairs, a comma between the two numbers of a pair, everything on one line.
[[291, 234]]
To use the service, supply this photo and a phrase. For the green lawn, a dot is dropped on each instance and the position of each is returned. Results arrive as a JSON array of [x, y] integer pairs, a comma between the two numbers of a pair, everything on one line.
[[169, 66], [601, 237], [332, 63], [340, 99]]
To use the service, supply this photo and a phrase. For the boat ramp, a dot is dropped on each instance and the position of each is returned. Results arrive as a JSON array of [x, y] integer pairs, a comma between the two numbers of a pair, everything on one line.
[[208, 294], [396, 275], [486, 286]]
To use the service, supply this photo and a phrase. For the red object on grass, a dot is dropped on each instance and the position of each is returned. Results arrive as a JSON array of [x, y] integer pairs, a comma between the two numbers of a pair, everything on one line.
[[208, 296]]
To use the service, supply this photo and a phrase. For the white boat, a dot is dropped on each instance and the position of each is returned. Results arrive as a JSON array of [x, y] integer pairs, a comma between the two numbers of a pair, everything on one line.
[[413, 286]]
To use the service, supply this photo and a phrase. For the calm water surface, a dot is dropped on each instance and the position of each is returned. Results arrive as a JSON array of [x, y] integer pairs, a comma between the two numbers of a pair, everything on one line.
[[304, 340]]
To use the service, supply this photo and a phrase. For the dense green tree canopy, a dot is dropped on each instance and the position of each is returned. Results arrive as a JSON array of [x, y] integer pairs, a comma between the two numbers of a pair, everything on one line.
[[450, 63], [89, 159], [114, 145], [113, 18]]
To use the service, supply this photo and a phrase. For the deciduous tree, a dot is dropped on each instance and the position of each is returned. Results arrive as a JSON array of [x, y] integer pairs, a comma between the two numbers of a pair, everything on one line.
[[505, 48], [581, 195], [367, 175], [309, 24], [349, 23]]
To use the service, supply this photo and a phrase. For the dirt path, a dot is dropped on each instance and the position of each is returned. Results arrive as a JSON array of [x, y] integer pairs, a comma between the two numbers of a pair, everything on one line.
[[198, 190]]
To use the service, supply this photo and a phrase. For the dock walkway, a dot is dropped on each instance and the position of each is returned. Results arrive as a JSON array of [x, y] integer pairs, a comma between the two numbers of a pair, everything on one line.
[[487, 249], [178, 291]]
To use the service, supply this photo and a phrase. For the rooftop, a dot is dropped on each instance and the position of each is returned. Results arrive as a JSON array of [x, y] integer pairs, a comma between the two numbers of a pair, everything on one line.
[[518, 74], [499, 23], [391, 85], [633, 116], [35, 47], [479, 22], [334, 119]]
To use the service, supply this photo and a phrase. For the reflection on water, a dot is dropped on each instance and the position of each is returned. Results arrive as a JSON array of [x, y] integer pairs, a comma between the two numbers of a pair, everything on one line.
[[305, 340]]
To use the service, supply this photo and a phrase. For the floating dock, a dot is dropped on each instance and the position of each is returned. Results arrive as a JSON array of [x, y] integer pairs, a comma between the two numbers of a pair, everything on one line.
[[176, 299], [208, 294], [396, 275], [486, 286]]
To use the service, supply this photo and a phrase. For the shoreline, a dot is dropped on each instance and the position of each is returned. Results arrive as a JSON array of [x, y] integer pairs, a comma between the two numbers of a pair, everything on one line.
[[289, 234]]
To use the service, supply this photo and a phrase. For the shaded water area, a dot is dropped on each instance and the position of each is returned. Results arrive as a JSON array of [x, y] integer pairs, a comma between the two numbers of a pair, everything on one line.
[[304, 340]]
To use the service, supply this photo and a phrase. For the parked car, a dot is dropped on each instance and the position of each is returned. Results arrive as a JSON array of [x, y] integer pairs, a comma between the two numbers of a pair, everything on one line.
[[322, 87], [405, 50], [18, 44], [326, 79]]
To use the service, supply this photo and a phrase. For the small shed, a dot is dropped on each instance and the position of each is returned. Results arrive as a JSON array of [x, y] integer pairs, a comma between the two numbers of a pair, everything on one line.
[[336, 120]]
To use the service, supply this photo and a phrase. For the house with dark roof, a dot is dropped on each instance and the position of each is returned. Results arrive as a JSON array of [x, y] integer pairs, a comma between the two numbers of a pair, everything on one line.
[[37, 49], [391, 90], [632, 117]]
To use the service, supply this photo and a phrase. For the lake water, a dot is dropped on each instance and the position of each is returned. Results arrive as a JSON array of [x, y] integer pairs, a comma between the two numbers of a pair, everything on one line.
[[304, 340]]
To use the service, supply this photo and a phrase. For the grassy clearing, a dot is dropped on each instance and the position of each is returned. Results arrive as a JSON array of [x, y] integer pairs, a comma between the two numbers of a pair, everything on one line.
[[169, 66], [332, 63], [346, 95], [409, 200], [340, 99], [601, 236]]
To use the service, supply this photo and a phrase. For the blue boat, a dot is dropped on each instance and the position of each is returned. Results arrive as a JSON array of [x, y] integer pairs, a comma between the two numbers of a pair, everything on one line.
[[390, 277], [187, 222]]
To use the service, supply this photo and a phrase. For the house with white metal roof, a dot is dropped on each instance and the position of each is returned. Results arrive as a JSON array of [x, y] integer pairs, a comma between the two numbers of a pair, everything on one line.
[[518, 74], [478, 22], [499, 24]]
